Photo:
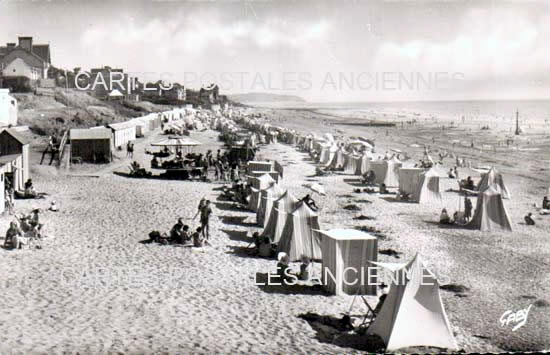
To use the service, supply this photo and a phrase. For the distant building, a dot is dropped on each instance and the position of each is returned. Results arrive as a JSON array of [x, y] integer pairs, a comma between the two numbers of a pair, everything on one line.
[[24, 64], [104, 81], [8, 109], [177, 92]]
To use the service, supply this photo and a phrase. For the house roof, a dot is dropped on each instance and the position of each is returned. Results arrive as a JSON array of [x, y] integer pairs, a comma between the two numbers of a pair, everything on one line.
[[122, 125], [43, 51], [96, 133], [15, 135]]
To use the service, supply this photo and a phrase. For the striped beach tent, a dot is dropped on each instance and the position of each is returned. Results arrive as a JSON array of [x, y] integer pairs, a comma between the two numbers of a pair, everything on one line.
[[339, 159], [349, 249], [282, 207], [353, 165], [258, 184], [298, 238], [490, 213], [267, 197], [493, 177]]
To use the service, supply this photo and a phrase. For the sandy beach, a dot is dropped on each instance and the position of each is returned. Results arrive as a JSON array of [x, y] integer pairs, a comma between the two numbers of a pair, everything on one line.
[[94, 288]]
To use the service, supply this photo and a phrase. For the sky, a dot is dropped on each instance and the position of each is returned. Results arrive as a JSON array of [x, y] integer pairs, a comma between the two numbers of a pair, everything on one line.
[[323, 51]]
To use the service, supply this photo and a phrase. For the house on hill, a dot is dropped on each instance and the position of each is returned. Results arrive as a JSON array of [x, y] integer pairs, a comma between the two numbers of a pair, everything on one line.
[[23, 65], [8, 109], [14, 158]]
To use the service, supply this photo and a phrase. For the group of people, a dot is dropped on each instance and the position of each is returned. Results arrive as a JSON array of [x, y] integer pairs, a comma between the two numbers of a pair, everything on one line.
[[458, 217], [180, 232], [26, 230]]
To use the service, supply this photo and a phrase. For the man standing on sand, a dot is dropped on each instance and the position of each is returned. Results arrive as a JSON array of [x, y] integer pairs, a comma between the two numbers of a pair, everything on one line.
[[205, 212]]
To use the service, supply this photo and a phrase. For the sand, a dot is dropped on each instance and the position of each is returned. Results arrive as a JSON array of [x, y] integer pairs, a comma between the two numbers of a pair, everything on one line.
[[94, 288]]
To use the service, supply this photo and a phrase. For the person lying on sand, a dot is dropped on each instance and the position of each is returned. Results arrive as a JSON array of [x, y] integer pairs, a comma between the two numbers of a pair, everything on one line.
[[529, 219]]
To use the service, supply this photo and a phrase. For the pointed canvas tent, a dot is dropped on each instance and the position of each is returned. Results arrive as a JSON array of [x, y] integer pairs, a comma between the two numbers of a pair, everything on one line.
[[409, 179], [353, 164], [490, 213], [413, 300], [427, 191], [282, 207], [493, 177], [346, 257], [333, 150], [267, 197], [298, 238], [386, 171], [258, 183], [338, 159]]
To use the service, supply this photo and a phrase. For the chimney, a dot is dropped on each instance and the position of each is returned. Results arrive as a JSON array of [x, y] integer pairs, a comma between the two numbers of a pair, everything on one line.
[[10, 47], [26, 42]]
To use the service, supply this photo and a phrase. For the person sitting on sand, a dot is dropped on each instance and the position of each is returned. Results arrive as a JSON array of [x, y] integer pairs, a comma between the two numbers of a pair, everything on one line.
[[305, 268], [469, 183], [176, 233], [309, 201], [13, 237], [282, 266], [529, 219], [451, 174], [154, 163], [35, 218], [53, 207], [197, 238], [264, 249], [545, 203], [444, 217], [369, 177], [28, 184], [383, 189]]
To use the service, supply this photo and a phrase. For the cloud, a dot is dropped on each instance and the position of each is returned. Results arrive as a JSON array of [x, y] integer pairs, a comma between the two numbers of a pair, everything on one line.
[[489, 43]]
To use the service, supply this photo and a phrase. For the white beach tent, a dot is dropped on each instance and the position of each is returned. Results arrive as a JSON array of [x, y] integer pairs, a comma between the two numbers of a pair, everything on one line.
[[282, 207], [490, 213], [298, 238], [427, 191], [267, 197], [413, 313], [386, 171], [493, 177], [346, 257]]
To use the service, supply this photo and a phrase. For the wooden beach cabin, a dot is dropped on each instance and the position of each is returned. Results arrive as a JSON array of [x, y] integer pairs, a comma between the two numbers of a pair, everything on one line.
[[123, 133], [14, 158], [91, 145]]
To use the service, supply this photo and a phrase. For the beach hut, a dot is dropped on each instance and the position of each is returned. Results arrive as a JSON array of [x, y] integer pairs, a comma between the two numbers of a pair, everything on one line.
[[345, 262], [339, 159], [413, 300], [282, 207], [267, 196], [298, 238], [91, 145], [14, 158], [123, 133], [408, 180], [255, 165], [493, 177], [490, 213]]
